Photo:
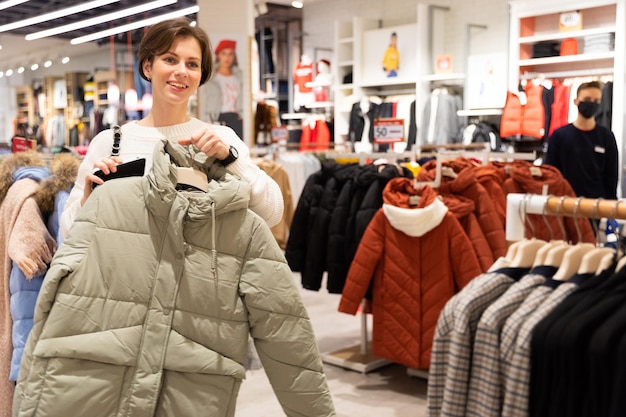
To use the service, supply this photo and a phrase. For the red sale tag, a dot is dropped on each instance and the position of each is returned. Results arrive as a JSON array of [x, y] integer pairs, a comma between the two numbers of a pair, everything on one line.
[[388, 131]]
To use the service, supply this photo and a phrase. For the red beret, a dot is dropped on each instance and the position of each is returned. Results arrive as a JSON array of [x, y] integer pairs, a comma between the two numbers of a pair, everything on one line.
[[225, 44]]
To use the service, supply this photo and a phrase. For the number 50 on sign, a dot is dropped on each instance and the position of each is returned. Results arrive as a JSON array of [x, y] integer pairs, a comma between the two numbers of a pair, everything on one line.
[[388, 131]]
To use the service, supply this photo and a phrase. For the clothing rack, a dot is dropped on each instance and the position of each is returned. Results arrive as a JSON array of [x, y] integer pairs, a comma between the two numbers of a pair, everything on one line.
[[566, 74], [518, 205], [359, 358]]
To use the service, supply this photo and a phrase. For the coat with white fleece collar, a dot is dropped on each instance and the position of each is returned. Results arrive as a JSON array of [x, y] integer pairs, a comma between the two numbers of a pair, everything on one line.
[[418, 257]]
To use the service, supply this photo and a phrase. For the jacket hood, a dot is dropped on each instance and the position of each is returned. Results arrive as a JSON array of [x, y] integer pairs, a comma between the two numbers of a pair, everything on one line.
[[226, 192], [458, 205], [465, 177], [527, 177], [490, 172], [413, 220], [64, 168], [370, 173]]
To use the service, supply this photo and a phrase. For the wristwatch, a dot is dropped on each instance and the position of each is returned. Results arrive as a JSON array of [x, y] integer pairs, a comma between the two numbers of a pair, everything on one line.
[[233, 154]]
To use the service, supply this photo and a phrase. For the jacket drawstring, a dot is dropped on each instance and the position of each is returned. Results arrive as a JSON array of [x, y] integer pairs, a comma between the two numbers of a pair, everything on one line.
[[214, 259]]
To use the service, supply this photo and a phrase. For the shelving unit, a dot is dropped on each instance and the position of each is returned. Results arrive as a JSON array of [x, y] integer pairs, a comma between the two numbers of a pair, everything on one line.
[[25, 104], [348, 57], [534, 21]]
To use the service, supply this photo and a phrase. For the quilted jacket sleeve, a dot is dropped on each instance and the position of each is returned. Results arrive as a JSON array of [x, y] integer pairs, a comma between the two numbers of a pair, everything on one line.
[[65, 260], [282, 330], [363, 265]]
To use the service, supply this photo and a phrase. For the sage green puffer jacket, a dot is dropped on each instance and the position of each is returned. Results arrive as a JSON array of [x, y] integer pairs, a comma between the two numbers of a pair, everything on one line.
[[147, 306]]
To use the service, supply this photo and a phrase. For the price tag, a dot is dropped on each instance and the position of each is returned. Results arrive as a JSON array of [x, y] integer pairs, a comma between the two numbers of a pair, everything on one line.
[[280, 134], [388, 131]]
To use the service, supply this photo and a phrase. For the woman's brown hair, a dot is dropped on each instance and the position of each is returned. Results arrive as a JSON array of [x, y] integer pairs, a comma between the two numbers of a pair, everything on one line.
[[159, 38]]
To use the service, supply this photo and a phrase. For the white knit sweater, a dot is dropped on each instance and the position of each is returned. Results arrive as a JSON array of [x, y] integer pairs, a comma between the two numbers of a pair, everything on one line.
[[139, 141]]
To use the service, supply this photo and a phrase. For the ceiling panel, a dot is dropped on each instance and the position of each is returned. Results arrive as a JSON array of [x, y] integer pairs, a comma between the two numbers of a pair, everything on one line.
[[34, 8]]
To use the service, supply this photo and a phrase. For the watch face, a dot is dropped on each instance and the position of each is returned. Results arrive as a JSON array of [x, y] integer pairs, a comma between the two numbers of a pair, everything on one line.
[[234, 152]]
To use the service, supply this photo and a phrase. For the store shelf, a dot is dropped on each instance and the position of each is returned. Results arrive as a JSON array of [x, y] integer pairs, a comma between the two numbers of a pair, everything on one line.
[[479, 112], [346, 40], [320, 105], [346, 63], [453, 76], [564, 35], [567, 59]]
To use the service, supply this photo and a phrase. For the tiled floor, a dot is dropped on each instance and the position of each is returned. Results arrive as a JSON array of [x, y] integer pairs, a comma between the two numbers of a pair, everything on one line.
[[386, 392]]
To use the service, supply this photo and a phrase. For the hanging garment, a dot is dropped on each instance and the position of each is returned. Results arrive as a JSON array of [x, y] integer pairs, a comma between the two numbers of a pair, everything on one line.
[[523, 114], [551, 182], [395, 253], [278, 174], [315, 135], [449, 374], [466, 184], [440, 123], [155, 336], [484, 398], [463, 209]]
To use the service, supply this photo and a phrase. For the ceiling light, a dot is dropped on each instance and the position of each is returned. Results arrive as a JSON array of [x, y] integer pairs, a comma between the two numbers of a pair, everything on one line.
[[47, 64], [9, 72], [57, 14], [34, 67], [65, 60], [10, 3], [100, 19], [135, 25], [20, 70], [1, 74], [297, 4]]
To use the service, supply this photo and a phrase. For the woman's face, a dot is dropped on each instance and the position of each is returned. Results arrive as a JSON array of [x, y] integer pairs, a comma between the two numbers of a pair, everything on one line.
[[176, 74], [226, 57]]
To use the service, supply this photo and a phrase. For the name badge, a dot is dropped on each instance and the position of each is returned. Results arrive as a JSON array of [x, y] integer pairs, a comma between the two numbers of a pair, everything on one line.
[[599, 149]]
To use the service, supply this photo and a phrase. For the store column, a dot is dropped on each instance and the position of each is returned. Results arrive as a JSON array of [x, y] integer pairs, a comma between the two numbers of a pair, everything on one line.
[[230, 26]]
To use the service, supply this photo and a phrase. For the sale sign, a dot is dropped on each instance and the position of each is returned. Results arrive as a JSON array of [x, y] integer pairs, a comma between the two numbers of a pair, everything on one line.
[[388, 131]]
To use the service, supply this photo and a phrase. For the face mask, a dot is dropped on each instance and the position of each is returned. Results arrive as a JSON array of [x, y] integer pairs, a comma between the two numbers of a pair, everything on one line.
[[588, 108]]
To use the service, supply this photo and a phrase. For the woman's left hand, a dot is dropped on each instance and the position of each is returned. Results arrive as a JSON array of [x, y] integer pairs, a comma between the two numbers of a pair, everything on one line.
[[209, 142]]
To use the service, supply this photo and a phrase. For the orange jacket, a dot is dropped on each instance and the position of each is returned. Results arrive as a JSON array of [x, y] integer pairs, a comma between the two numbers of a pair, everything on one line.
[[524, 119], [419, 257], [552, 182], [466, 184]]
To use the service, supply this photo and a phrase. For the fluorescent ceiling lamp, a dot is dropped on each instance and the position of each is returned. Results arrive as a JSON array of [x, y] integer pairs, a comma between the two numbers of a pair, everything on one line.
[[297, 4], [135, 25], [100, 19], [56, 15], [65, 60], [9, 72], [47, 64], [20, 70], [34, 67], [10, 3]]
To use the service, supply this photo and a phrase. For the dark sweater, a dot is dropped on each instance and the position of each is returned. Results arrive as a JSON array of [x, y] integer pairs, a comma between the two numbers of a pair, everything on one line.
[[587, 160]]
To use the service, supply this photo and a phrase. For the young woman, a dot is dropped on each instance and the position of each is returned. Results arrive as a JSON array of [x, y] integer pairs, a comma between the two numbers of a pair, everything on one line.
[[176, 59]]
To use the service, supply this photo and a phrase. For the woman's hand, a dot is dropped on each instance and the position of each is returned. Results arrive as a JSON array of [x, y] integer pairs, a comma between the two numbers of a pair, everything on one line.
[[106, 165], [209, 142]]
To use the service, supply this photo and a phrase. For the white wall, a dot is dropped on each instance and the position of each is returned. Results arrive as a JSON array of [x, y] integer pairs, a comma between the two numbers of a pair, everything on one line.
[[319, 18]]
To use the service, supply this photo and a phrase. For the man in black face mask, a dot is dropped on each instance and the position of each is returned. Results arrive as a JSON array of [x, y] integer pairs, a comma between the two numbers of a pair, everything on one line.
[[585, 152]]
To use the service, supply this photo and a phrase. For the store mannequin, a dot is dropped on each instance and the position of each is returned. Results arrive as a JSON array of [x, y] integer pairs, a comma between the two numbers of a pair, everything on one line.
[[364, 145], [303, 74], [323, 81]]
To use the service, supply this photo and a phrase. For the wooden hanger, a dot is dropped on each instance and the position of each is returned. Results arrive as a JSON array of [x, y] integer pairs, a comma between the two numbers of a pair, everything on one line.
[[605, 263], [193, 178], [592, 259], [551, 253], [572, 260], [527, 252]]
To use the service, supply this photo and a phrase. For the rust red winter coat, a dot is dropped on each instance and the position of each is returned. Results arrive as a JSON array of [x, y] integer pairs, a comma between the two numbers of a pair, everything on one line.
[[419, 257], [466, 184], [551, 181]]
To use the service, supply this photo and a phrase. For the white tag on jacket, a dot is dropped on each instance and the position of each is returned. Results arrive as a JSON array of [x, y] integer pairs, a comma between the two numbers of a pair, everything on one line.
[[599, 149]]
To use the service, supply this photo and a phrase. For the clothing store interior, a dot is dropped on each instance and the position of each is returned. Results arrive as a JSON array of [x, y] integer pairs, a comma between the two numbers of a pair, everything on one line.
[[450, 176]]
